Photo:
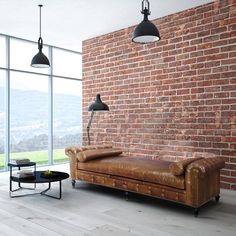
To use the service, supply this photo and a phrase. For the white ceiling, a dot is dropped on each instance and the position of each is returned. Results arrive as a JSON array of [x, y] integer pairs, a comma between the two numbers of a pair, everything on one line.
[[67, 22]]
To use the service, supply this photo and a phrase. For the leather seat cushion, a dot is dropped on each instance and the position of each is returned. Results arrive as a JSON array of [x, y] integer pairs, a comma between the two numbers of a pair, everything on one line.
[[154, 171]]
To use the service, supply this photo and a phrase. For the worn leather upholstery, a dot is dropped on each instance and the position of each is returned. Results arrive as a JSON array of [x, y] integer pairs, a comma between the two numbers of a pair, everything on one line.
[[93, 154], [73, 152], [197, 185], [136, 168], [179, 167], [203, 180]]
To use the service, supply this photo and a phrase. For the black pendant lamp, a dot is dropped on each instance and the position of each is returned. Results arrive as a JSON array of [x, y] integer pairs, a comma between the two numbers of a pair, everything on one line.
[[40, 60], [146, 31]]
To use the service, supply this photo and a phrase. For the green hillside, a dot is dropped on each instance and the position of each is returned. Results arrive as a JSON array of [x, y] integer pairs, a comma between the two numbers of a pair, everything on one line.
[[40, 157]]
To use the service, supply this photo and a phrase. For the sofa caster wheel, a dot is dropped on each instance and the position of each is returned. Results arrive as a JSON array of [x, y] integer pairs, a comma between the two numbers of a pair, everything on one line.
[[196, 211], [126, 196], [73, 183], [217, 198]]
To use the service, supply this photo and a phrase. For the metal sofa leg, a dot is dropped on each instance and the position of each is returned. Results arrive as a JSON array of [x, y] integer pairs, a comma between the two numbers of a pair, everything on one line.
[[126, 196], [217, 198], [196, 211], [73, 183]]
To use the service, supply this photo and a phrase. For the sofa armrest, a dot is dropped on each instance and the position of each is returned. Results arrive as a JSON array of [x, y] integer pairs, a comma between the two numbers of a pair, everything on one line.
[[202, 179], [205, 166], [72, 153]]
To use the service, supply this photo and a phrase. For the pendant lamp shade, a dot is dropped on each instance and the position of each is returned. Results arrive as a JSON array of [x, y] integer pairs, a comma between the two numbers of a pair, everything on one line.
[[40, 60], [146, 31]]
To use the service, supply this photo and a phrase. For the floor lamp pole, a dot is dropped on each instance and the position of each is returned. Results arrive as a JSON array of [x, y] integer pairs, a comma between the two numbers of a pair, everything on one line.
[[89, 125]]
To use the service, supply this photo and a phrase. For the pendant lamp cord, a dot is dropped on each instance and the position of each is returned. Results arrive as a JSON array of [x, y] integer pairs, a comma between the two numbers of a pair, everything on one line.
[[40, 41], [40, 24]]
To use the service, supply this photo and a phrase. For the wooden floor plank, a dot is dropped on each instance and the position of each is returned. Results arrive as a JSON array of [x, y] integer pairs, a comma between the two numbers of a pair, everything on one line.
[[90, 210], [27, 227], [9, 230]]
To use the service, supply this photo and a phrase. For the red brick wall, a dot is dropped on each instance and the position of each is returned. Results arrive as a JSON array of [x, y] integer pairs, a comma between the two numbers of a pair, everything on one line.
[[170, 98]]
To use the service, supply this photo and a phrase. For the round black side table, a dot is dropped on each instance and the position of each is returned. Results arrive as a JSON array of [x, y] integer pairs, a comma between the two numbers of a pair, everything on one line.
[[19, 166], [37, 178]]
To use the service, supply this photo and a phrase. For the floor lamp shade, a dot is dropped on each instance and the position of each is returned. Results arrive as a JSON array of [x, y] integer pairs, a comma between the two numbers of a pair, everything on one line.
[[97, 105]]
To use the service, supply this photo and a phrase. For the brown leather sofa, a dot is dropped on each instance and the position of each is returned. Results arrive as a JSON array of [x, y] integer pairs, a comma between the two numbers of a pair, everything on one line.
[[191, 181]]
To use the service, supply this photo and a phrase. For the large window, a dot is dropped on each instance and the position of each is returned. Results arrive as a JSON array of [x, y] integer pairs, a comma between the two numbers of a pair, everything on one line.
[[2, 118], [67, 116], [40, 109], [67, 64], [29, 117], [2, 51]]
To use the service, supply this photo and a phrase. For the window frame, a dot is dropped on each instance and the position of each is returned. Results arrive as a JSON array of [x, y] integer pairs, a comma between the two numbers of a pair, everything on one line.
[[50, 76]]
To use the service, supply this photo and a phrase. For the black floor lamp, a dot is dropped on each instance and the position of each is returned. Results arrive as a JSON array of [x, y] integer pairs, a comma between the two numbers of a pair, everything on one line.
[[97, 105]]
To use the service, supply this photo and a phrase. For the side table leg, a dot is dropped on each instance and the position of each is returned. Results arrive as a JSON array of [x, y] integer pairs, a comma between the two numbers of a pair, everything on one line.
[[35, 175], [10, 186], [19, 182], [60, 189], [10, 182], [49, 186]]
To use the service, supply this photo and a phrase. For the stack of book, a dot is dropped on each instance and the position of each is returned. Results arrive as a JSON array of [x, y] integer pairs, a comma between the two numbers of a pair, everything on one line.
[[20, 161], [24, 174]]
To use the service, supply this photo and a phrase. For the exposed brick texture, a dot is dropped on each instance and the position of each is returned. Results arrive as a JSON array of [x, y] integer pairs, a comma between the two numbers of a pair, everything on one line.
[[170, 98]]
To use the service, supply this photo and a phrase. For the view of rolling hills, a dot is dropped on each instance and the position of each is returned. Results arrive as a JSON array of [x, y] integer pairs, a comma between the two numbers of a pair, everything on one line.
[[29, 120]]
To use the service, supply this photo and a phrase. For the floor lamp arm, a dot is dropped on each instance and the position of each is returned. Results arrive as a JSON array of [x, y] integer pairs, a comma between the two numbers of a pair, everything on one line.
[[89, 125]]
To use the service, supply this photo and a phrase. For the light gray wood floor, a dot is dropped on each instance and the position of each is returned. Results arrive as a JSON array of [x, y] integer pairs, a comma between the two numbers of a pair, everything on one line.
[[94, 210]]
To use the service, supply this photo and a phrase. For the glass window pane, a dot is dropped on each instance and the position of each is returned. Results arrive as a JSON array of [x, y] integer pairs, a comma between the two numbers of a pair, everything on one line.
[[2, 117], [29, 103], [67, 116], [21, 54], [29, 117], [67, 64], [2, 51]]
